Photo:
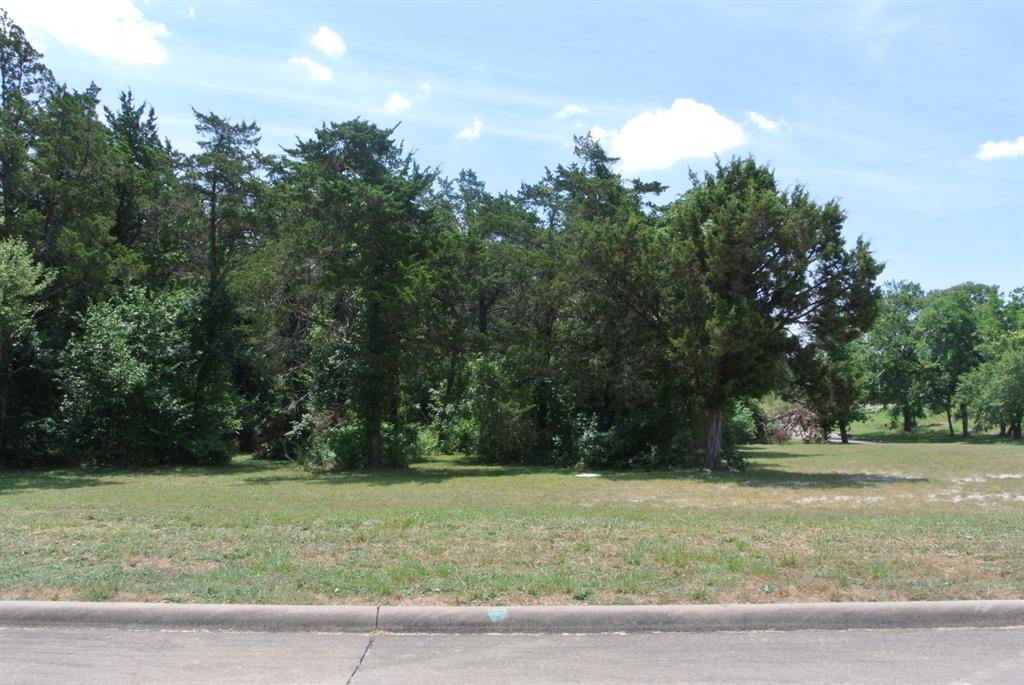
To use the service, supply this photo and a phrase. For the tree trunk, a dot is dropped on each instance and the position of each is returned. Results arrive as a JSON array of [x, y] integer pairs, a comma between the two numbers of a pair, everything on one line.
[[4, 392], [908, 419], [949, 420], [375, 458], [481, 313], [1015, 429], [1002, 429], [713, 448], [844, 432], [6, 371], [963, 419]]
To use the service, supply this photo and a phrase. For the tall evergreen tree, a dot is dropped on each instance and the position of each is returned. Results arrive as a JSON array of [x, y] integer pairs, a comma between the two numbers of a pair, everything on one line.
[[226, 179], [750, 269], [363, 210], [25, 83], [150, 205]]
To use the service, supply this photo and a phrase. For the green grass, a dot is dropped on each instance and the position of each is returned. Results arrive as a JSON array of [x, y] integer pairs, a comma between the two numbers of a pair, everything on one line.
[[931, 429], [803, 523]]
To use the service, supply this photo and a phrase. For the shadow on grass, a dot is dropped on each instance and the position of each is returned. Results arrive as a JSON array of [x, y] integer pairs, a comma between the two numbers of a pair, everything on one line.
[[927, 436], [252, 472], [419, 473], [763, 476], [50, 480], [13, 479], [930, 430], [759, 453], [760, 475]]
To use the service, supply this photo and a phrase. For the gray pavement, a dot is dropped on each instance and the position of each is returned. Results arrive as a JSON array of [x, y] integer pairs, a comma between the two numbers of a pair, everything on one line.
[[62, 654]]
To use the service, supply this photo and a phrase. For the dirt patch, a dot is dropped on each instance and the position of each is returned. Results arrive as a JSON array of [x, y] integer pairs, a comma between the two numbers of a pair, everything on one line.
[[125, 596], [839, 498], [140, 561], [168, 564], [39, 594]]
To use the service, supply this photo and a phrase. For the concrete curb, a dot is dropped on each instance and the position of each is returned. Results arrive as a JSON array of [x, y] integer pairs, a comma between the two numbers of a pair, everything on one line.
[[529, 619], [143, 615]]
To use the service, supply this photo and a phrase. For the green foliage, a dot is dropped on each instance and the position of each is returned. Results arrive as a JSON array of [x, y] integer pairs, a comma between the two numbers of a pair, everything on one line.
[[130, 380], [747, 264], [995, 389], [830, 382], [504, 410], [26, 82], [342, 447], [953, 324], [358, 310], [897, 376], [453, 425], [22, 281]]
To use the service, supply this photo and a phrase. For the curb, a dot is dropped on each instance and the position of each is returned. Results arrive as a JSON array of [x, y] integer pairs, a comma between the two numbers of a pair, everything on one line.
[[528, 619], [144, 615]]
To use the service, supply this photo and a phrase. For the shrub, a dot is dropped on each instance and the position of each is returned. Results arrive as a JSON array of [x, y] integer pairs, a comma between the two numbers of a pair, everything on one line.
[[327, 446], [453, 425], [503, 410], [132, 392]]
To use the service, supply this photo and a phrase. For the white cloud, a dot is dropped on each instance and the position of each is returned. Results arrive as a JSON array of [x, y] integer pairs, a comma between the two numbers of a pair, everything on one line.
[[114, 29], [656, 140], [315, 70], [1001, 149], [328, 42], [571, 110], [471, 132], [763, 122], [396, 103], [399, 103]]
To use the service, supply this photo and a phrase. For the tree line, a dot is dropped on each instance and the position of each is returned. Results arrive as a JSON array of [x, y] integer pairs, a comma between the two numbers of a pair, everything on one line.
[[957, 351], [342, 305]]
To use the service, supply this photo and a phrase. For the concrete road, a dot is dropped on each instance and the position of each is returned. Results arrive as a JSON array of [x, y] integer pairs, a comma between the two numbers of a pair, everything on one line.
[[82, 655]]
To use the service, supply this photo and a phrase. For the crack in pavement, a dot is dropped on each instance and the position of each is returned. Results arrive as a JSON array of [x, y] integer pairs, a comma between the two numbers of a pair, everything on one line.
[[373, 636]]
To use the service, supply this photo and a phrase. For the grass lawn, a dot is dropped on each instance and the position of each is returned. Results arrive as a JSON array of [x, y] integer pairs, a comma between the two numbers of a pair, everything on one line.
[[803, 523], [878, 427]]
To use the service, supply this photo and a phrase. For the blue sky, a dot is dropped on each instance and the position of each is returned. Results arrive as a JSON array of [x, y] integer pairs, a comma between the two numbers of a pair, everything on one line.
[[912, 114]]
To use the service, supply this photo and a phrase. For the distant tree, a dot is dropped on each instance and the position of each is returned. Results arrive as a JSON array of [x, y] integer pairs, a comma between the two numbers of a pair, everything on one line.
[[994, 390], [831, 383], [951, 334], [897, 376], [747, 268], [481, 273], [22, 281]]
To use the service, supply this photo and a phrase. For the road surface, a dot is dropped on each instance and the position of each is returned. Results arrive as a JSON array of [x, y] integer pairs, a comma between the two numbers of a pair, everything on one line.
[[81, 655]]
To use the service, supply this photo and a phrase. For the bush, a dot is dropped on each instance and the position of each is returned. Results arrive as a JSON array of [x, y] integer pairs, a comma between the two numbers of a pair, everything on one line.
[[453, 426], [132, 392], [504, 412], [325, 446], [640, 440], [24, 384]]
